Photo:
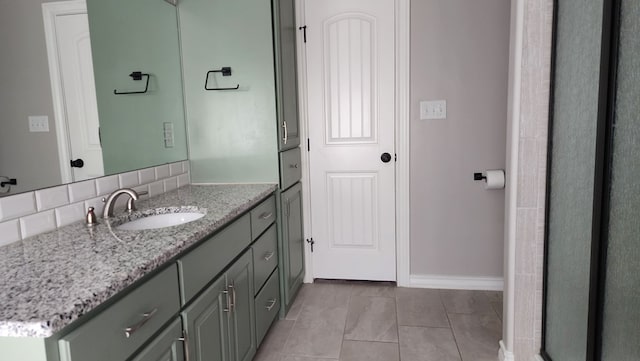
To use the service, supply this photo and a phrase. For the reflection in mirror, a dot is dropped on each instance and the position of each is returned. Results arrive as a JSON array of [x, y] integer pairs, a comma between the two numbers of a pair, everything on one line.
[[53, 113]]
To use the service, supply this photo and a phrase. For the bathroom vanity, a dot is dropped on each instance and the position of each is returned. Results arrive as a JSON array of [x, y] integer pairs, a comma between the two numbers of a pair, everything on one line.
[[205, 290]]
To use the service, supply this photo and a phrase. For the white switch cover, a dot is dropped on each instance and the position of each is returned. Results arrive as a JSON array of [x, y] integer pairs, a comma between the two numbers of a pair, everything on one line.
[[39, 123], [168, 135], [435, 109]]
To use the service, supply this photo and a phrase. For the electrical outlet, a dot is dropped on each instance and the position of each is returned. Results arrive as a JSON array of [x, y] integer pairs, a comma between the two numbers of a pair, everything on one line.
[[38, 123], [168, 134], [435, 109]]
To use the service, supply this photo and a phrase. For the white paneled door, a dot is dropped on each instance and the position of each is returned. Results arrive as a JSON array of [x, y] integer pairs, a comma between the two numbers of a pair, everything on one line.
[[66, 27], [76, 68], [351, 80]]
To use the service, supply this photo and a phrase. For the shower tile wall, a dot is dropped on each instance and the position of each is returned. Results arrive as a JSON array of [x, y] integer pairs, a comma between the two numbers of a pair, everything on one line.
[[530, 202]]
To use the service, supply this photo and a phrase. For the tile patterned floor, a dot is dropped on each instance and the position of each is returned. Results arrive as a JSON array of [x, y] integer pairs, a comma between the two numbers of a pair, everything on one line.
[[357, 321]]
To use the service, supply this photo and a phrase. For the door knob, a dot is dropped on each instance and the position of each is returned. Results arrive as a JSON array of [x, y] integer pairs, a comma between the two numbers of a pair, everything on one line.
[[385, 157], [78, 163]]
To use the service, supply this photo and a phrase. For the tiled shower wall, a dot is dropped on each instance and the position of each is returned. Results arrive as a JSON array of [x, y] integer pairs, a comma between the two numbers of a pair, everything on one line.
[[532, 155], [28, 214]]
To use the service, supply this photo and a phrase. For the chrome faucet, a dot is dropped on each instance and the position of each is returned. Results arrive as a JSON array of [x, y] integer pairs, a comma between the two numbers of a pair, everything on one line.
[[110, 202]]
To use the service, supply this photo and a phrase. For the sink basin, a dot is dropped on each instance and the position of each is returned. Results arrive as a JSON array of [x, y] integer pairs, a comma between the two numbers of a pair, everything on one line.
[[160, 221]]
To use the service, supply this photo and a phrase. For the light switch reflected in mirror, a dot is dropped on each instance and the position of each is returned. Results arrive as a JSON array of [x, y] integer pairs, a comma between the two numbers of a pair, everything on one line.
[[54, 68]]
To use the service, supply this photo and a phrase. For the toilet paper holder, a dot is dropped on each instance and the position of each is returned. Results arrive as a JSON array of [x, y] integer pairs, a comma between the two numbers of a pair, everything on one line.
[[479, 176]]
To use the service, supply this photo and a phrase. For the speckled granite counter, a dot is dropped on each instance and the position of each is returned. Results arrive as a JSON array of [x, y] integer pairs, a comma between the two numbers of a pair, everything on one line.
[[50, 280]]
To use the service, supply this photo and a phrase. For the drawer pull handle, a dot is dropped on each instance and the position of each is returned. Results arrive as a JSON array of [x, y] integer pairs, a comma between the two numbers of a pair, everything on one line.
[[293, 165], [272, 304], [185, 339], [228, 308], [129, 331], [264, 216], [232, 303], [286, 132], [268, 256]]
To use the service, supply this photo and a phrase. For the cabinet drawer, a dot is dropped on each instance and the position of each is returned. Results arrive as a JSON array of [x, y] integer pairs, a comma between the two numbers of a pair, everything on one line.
[[265, 257], [166, 346], [267, 306], [201, 265], [290, 168], [262, 216], [143, 312]]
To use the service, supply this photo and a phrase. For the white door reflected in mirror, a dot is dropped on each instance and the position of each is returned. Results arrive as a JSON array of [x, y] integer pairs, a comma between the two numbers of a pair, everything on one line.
[[78, 129]]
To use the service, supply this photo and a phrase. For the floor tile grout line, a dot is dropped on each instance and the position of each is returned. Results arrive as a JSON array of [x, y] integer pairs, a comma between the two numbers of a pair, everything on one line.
[[286, 342], [398, 325], [455, 339], [346, 318]]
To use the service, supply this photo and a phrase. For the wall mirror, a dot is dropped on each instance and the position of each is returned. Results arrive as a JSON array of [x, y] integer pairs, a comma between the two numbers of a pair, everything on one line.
[[74, 76]]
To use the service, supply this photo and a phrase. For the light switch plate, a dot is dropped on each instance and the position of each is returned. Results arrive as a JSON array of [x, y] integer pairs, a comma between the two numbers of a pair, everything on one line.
[[38, 123], [434, 109], [168, 134]]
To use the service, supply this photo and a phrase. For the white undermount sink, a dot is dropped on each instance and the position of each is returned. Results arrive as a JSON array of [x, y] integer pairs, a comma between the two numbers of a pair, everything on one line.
[[160, 221]]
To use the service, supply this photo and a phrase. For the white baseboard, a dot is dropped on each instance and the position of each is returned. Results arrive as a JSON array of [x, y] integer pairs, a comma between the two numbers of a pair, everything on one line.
[[457, 282], [504, 354], [537, 358]]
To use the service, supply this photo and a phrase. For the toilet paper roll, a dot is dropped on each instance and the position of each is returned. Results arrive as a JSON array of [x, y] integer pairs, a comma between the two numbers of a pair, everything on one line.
[[495, 179]]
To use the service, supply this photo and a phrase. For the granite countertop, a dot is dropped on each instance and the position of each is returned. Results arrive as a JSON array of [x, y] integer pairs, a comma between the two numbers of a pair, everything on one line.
[[50, 280]]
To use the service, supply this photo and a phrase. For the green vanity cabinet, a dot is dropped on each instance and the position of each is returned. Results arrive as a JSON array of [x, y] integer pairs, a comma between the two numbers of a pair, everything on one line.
[[267, 306], [242, 314], [247, 129], [168, 346], [119, 330], [206, 324], [293, 242], [290, 166], [219, 323], [198, 267], [286, 75]]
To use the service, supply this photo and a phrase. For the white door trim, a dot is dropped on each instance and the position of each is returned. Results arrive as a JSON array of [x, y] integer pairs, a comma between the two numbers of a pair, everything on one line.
[[402, 105], [301, 53], [49, 13]]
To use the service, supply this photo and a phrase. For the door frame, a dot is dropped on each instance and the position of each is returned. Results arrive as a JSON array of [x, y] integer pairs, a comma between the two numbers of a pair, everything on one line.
[[402, 136], [50, 11]]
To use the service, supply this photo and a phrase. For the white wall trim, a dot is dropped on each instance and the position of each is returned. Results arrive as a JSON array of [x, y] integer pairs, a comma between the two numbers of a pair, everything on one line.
[[403, 133], [49, 13], [537, 358], [504, 354], [513, 134], [456, 282]]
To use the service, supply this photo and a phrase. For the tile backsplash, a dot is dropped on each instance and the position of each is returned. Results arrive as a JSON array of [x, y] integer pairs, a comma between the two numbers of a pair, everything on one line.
[[28, 214]]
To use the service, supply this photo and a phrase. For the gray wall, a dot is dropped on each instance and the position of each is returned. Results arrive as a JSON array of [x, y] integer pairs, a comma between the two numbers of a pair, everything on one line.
[[25, 90], [459, 53]]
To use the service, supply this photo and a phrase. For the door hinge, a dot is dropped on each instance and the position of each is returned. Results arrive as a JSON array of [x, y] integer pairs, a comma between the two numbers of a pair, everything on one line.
[[395, 157], [311, 243], [304, 32], [308, 145]]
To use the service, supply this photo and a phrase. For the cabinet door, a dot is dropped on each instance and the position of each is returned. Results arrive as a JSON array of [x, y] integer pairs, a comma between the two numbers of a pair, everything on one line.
[[293, 242], [165, 347], [242, 317], [287, 81], [207, 323]]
